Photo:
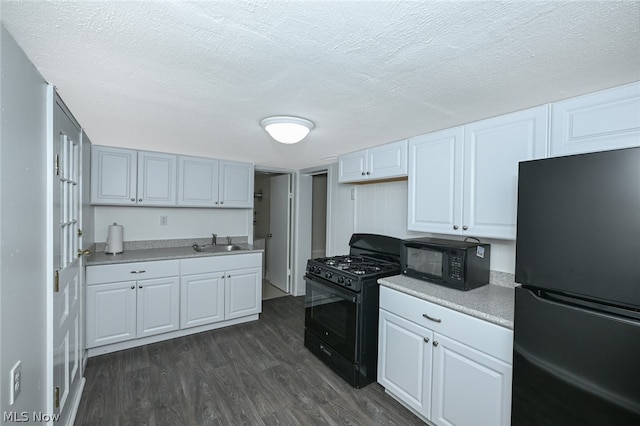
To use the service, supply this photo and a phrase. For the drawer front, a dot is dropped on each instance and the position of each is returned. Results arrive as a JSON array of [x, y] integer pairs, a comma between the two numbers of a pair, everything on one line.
[[204, 265], [100, 274], [482, 335]]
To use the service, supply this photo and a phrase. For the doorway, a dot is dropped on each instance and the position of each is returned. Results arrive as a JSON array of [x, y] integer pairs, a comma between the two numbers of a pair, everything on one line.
[[272, 230], [319, 216]]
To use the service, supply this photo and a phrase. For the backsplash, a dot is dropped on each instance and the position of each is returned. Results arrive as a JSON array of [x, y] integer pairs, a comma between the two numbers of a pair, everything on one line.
[[503, 279], [182, 242]]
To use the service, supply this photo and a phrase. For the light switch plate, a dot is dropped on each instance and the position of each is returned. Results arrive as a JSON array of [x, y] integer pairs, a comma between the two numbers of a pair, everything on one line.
[[15, 377]]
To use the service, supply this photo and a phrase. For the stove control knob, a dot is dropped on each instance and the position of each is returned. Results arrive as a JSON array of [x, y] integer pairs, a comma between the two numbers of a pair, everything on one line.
[[349, 282], [340, 280], [328, 275]]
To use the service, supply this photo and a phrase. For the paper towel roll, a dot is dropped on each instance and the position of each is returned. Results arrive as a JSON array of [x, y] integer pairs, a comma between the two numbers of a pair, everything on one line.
[[114, 239]]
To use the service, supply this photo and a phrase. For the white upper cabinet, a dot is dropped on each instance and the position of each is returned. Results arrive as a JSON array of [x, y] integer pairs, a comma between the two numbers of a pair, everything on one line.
[[382, 162], [156, 179], [599, 121], [113, 175], [127, 177], [141, 178], [198, 181], [463, 181], [435, 181], [236, 184]]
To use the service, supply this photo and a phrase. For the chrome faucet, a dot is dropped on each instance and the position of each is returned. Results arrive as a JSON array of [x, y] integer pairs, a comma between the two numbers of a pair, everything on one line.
[[213, 239]]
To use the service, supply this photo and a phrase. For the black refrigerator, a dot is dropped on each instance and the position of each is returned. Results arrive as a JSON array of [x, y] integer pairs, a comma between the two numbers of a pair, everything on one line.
[[576, 353]]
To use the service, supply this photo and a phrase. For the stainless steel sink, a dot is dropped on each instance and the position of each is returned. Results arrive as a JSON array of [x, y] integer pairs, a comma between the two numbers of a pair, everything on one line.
[[216, 247]]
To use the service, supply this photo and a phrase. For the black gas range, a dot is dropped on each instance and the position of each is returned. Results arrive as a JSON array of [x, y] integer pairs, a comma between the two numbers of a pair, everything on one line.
[[341, 305]]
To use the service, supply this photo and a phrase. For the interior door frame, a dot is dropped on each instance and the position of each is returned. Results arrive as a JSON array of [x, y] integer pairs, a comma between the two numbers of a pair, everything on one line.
[[292, 221]]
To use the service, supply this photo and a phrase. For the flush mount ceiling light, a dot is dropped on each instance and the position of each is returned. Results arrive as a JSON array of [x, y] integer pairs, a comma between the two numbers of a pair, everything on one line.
[[287, 129]]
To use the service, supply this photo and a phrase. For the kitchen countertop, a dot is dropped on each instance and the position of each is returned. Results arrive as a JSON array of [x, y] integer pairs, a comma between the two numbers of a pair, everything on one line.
[[163, 253], [493, 303]]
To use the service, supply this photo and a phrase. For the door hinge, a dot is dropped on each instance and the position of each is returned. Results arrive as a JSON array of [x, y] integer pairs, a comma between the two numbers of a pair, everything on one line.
[[56, 397], [79, 232], [57, 165], [56, 281]]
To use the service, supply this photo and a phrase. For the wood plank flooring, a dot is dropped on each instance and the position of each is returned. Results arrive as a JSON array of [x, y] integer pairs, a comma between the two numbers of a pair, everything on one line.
[[257, 373]]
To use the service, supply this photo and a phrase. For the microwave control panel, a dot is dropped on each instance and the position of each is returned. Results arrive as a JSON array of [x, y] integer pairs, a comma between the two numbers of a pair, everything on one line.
[[455, 266]]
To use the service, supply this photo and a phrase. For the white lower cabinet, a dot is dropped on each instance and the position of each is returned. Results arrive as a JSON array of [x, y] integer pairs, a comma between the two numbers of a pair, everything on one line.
[[220, 288], [130, 304], [452, 369], [120, 309]]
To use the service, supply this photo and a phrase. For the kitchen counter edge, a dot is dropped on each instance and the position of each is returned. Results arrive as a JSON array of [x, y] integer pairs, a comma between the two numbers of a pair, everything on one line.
[[492, 303], [165, 253]]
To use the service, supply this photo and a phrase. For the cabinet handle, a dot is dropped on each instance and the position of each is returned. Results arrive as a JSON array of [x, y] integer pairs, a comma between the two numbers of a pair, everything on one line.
[[228, 276], [455, 227], [465, 227], [139, 286], [216, 203], [435, 343], [368, 173], [221, 202], [432, 318], [133, 287], [133, 199], [139, 271], [139, 200], [426, 340], [362, 173]]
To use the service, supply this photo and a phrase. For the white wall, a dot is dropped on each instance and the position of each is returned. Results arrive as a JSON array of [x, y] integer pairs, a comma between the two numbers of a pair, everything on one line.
[[143, 223], [23, 273], [381, 208]]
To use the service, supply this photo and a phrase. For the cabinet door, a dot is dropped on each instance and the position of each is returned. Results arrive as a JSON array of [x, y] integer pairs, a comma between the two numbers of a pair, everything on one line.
[[198, 181], [352, 167], [600, 121], [492, 150], [469, 387], [111, 313], [236, 184], [113, 176], [387, 161], [156, 179], [201, 299], [404, 361], [158, 306], [243, 293], [435, 182]]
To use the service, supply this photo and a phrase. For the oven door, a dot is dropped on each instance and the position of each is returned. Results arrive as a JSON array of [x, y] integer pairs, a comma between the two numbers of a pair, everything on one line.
[[331, 314]]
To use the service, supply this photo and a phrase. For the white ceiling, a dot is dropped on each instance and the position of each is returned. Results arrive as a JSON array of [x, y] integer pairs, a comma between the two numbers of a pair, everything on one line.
[[197, 77]]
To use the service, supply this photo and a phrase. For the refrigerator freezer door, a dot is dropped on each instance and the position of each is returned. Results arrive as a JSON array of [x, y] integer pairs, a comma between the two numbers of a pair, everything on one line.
[[573, 366]]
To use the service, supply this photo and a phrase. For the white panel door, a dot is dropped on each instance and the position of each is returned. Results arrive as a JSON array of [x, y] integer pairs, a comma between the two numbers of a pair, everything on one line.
[[243, 293], [156, 179], [352, 167], [470, 388], [64, 308], [386, 161], [492, 150], [236, 184], [111, 313], [201, 299], [158, 306], [198, 181], [279, 237], [599, 121], [435, 182], [404, 361], [113, 176]]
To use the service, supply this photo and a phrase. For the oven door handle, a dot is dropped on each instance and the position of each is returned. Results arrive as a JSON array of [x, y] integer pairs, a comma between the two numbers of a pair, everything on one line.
[[335, 290]]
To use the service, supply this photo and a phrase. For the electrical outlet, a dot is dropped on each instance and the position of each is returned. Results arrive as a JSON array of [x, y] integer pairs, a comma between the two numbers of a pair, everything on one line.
[[15, 376], [163, 220]]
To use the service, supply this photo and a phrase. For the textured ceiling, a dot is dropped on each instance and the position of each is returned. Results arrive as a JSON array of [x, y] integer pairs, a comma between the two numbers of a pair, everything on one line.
[[197, 77]]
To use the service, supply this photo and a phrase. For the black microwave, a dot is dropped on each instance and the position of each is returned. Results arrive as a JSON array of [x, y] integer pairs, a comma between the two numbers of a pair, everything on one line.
[[462, 265]]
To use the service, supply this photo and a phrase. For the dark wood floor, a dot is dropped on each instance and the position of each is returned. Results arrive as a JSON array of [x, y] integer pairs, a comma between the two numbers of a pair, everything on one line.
[[257, 373]]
